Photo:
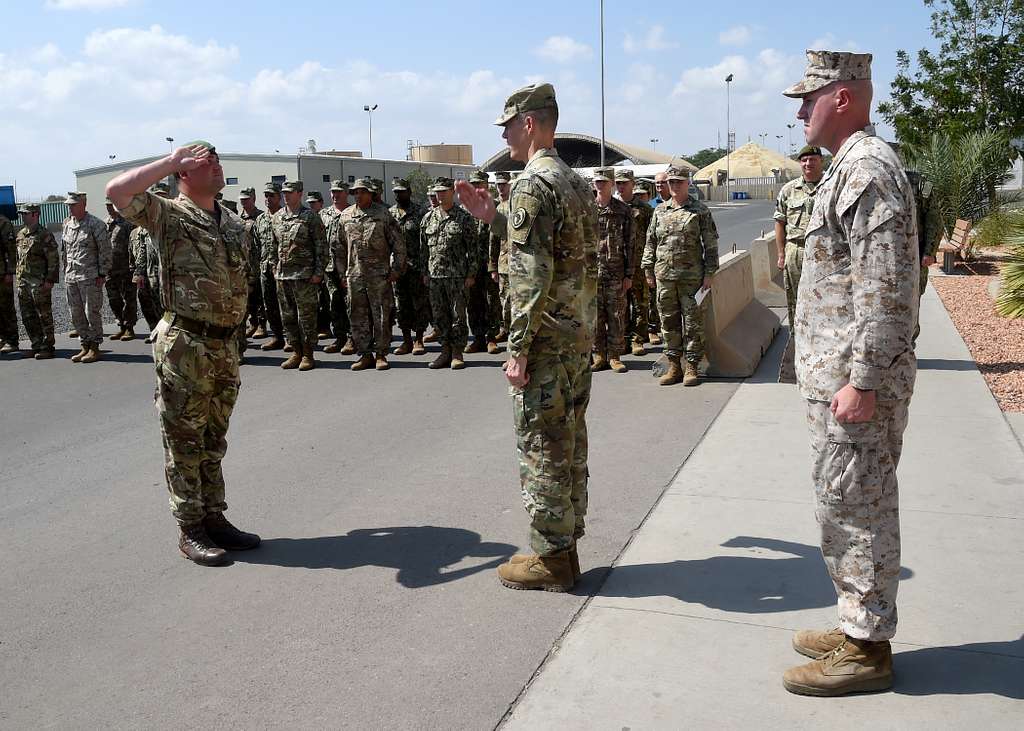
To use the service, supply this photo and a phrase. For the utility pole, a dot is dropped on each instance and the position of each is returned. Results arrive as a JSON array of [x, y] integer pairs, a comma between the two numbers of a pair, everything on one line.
[[728, 139]]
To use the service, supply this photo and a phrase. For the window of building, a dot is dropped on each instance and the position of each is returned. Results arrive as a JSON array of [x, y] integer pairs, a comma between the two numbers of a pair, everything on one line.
[[278, 178], [231, 181], [327, 178], [351, 179]]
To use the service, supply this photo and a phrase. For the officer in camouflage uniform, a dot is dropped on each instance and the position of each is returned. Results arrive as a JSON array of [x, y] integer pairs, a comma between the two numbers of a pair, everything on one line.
[[333, 279], [411, 294], [315, 201], [792, 211], [8, 263], [85, 249], [203, 250], [679, 260], [497, 260], [929, 230], [120, 289], [484, 307], [638, 296], [256, 316], [145, 265], [374, 257], [855, 366], [266, 245], [615, 261], [299, 269], [38, 268], [553, 279], [450, 245]]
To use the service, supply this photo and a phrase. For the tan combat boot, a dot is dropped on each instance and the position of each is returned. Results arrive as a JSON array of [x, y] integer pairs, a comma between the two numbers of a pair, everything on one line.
[[617, 365], [73, 334], [550, 573], [475, 347], [574, 560], [600, 363], [691, 377], [275, 343], [443, 360], [349, 348], [817, 643], [250, 331], [77, 357], [289, 348], [431, 337], [638, 347], [382, 362], [654, 338], [333, 347], [502, 335], [492, 346], [259, 332], [364, 362], [128, 334], [91, 355], [406, 347], [307, 363], [294, 359], [417, 345], [856, 666], [674, 374], [457, 362]]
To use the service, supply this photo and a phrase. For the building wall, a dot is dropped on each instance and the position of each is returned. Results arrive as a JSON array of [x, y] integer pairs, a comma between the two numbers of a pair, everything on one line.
[[451, 154]]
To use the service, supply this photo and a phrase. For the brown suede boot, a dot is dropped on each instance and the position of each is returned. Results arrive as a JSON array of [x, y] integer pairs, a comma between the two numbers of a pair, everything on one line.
[[674, 374], [654, 338], [417, 345], [457, 362], [307, 363], [91, 356], [259, 332], [364, 362], [431, 337], [128, 334], [77, 357], [492, 347], [333, 347], [638, 347], [502, 335], [600, 363], [817, 643], [349, 348], [294, 359], [617, 365], [406, 347], [475, 347], [692, 376], [443, 360], [196, 545], [550, 573], [574, 561], [856, 666], [381, 363], [275, 343], [289, 348]]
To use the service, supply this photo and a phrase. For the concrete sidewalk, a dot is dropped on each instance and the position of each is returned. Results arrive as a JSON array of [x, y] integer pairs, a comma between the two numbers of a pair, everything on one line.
[[692, 628]]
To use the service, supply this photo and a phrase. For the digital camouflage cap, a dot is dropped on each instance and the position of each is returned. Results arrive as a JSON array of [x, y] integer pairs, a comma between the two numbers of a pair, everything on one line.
[[442, 183], [293, 186], [363, 183], [399, 184], [623, 174], [604, 174], [246, 194], [674, 172], [339, 186], [502, 177], [28, 208], [528, 99], [479, 176], [826, 67], [74, 197]]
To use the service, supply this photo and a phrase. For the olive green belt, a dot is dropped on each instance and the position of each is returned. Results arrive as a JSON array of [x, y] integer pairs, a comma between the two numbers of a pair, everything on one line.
[[199, 327]]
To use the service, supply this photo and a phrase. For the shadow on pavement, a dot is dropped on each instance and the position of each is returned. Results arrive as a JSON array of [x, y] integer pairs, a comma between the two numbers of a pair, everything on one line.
[[420, 553], [743, 584], [945, 364], [980, 668]]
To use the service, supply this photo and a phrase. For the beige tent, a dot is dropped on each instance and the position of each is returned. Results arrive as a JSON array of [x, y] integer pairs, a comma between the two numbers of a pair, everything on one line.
[[750, 161]]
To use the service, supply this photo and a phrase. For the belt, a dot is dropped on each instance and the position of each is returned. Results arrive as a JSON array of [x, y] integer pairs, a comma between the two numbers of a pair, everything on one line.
[[198, 327]]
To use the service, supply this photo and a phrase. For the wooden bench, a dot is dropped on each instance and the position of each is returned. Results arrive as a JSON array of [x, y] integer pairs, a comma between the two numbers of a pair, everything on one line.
[[954, 247]]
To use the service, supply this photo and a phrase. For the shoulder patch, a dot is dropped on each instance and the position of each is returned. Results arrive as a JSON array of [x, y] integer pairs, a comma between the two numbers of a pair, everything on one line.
[[520, 218]]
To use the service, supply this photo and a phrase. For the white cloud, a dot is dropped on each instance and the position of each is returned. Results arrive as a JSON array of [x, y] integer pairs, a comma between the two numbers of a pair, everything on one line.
[[654, 40], [46, 55], [829, 42], [736, 36], [87, 4], [563, 49]]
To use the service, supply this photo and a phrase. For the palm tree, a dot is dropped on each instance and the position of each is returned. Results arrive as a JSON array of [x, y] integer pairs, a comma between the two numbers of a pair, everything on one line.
[[1010, 302]]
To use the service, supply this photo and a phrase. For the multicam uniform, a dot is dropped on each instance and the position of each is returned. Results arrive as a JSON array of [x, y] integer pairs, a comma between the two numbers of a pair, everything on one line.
[[498, 263], [38, 262], [643, 317], [412, 295], [793, 209], [450, 246], [484, 306], [85, 249], [301, 254], [8, 264], [144, 263], [337, 307], [119, 285], [266, 244], [615, 261], [256, 311]]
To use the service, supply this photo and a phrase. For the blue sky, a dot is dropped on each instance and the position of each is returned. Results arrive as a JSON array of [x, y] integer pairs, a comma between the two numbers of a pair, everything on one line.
[[84, 79]]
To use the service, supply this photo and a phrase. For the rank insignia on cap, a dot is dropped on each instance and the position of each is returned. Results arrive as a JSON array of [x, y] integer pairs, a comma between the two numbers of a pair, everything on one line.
[[519, 218]]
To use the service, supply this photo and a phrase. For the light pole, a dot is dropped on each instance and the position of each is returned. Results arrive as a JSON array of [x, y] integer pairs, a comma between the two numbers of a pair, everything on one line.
[[170, 141], [111, 157], [779, 138], [790, 128], [728, 138], [602, 83], [654, 144], [763, 136], [369, 113]]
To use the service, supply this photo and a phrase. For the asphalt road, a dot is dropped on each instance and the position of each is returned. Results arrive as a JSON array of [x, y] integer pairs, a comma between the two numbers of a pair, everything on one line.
[[385, 501]]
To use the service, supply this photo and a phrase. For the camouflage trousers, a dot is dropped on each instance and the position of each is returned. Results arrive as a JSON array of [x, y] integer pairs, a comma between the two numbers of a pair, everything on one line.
[[857, 506], [448, 307], [413, 298], [271, 306], [922, 286], [37, 314], [149, 302], [550, 415], [682, 321], [121, 296], [484, 307], [298, 300], [794, 263], [8, 315], [197, 387], [86, 303], [610, 335], [337, 305], [506, 302], [254, 309], [369, 313]]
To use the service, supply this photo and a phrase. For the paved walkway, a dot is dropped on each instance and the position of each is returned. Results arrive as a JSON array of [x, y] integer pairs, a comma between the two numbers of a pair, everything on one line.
[[692, 628]]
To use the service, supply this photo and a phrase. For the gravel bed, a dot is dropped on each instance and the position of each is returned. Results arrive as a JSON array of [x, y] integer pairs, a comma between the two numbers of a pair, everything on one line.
[[996, 343], [62, 314]]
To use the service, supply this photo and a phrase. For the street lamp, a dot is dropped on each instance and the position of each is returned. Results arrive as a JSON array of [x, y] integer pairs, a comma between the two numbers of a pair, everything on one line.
[[790, 128], [728, 138], [602, 83], [763, 136], [779, 138], [111, 157], [654, 144], [170, 141], [369, 113]]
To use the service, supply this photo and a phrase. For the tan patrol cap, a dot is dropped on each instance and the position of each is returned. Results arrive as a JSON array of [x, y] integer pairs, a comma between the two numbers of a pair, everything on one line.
[[527, 99], [677, 173], [399, 184], [605, 174], [292, 186], [246, 194], [339, 185], [74, 197], [623, 174], [826, 67], [502, 177]]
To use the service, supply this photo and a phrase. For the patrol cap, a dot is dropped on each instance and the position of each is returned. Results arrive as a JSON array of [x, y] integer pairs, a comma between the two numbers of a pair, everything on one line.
[[808, 150], [442, 183], [479, 176], [527, 99], [623, 174], [674, 172], [246, 194], [292, 186], [160, 188], [339, 185], [399, 184], [378, 185], [314, 195], [271, 187], [826, 67], [604, 174], [74, 197], [502, 177], [28, 208], [363, 183]]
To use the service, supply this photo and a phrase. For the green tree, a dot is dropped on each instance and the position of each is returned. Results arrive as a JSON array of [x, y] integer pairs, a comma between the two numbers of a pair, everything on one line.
[[419, 181], [706, 156], [974, 81], [1010, 302]]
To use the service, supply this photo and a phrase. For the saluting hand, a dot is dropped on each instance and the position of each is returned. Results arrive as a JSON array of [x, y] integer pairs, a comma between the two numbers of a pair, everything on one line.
[[477, 202], [190, 158]]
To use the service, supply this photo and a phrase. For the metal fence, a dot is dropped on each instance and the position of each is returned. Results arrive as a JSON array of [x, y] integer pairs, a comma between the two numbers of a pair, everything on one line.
[[759, 191], [50, 214]]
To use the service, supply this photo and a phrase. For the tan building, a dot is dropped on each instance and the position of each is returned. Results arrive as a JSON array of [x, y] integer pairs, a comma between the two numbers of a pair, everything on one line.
[[452, 154]]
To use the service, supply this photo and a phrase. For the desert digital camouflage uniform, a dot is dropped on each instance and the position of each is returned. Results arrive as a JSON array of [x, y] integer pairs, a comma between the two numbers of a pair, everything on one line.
[[451, 247], [336, 295], [374, 248], [412, 296], [204, 288], [553, 284], [266, 245], [615, 263], [793, 209], [119, 285], [682, 249], [498, 262], [85, 250], [929, 231], [301, 254], [855, 317], [38, 262], [8, 264]]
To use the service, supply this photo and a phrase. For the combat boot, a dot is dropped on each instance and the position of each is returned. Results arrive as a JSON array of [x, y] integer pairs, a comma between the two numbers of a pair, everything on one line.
[[550, 573], [77, 357], [333, 347], [197, 546], [417, 345], [692, 376], [307, 363], [46, 354], [73, 334], [406, 347], [349, 348], [364, 362], [457, 362], [817, 643], [443, 360], [258, 332], [475, 346], [674, 374], [574, 561], [856, 666], [431, 336], [323, 335], [638, 347], [293, 360], [288, 348], [250, 331], [91, 356], [600, 363], [617, 365], [382, 362], [8, 348], [275, 343], [654, 338], [502, 335], [492, 347], [220, 531], [128, 334], [118, 334]]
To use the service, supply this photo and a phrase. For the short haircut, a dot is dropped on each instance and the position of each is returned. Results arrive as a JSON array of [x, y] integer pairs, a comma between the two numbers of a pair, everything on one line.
[[547, 117]]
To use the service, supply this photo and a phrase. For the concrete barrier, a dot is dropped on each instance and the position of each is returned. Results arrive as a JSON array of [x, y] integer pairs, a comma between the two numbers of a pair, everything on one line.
[[768, 286]]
